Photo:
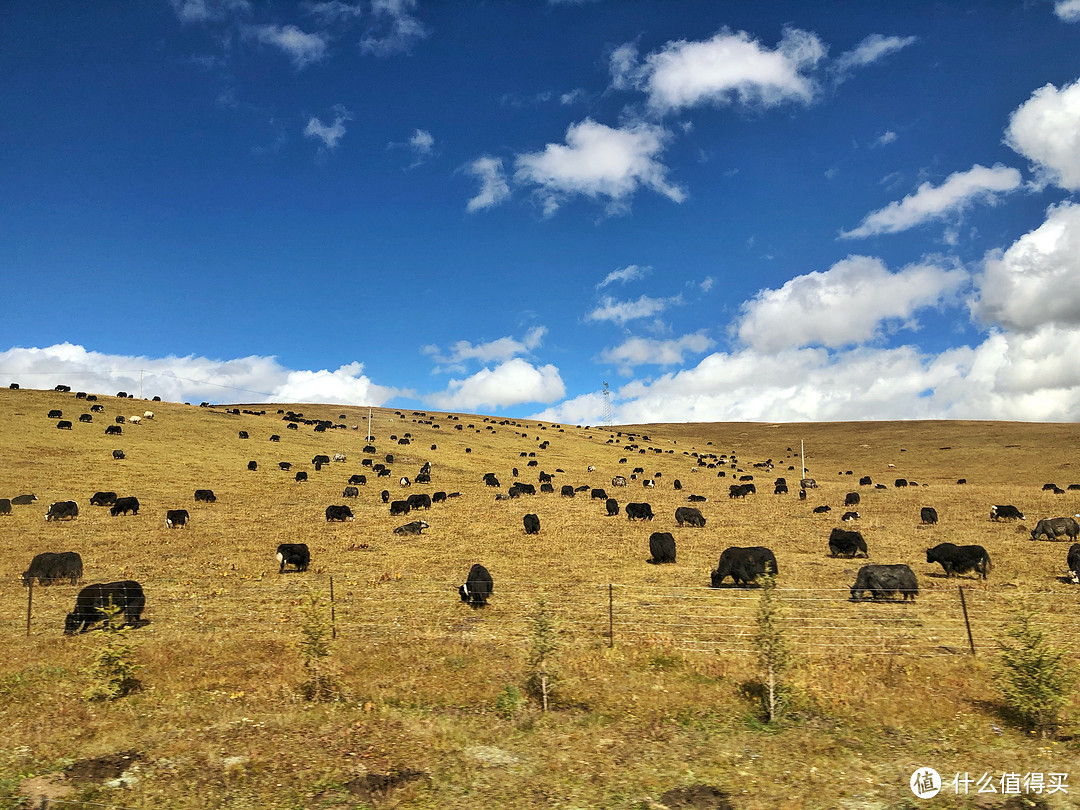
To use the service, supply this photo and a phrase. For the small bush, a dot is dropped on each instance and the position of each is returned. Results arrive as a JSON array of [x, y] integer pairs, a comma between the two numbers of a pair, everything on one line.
[[113, 668], [321, 683], [541, 679], [1032, 675], [509, 702], [773, 655]]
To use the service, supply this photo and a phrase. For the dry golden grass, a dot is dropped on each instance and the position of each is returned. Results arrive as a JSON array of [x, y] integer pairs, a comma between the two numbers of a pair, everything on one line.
[[882, 689]]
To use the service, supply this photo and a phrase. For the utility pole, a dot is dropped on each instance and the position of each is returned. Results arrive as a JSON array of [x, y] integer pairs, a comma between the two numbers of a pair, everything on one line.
[[607, 405]]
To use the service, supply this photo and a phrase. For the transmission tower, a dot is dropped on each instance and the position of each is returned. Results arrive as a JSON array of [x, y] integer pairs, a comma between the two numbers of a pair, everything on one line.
[[607, 405]]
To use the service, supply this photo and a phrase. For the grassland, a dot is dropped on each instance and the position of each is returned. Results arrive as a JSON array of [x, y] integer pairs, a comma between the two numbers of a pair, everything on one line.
[[429, 715]]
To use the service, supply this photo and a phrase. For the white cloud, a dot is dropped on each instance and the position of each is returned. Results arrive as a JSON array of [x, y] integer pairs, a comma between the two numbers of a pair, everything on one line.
[[622, 311], [1068, 10], [511, 383], [728, 68], [329, 134], [302, 48], [1046, 130], [598, 161], [1037, 280], [192, 11], [960, 189], [632, 272], [847, 304], [639, 351], [499, 350], [886, 138], [870, 50], [394, 29], [333, 11], [707, 283], [191, 378], [421, 142], [493, 186], [1009, 376]]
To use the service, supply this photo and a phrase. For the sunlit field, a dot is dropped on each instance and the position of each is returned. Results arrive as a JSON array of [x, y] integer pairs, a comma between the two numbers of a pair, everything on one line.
[[654, 701]]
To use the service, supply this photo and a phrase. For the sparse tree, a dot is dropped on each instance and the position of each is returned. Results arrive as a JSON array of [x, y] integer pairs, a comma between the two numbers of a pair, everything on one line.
[[113, 668], [542, 678], [773, 654]]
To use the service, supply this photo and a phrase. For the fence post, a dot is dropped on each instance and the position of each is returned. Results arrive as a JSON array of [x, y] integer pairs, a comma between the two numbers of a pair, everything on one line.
[[29, 605], [611, 615], [333, 618], [963, 606]]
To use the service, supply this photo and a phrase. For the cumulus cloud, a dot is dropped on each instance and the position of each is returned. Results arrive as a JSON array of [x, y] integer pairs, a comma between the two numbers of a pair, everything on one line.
[[1036, 280], [632, 272], [929, 202], [1046, 130], [514, 382], [329, 134], [729, 68], [620, 312], [493, 186], [191, 378], [1009, 376], [885, 138], [333, 11], [847, 304], [639, 351], [394, 28], [870, 50], [302, 48], [499, 350], [598, 161], [1068, 10]]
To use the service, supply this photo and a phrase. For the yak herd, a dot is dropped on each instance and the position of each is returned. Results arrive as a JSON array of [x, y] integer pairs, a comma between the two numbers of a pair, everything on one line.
[[744, 565]]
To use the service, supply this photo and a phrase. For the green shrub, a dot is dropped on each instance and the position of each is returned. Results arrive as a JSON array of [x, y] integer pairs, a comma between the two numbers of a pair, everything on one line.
[[1032, 674], [112, 669]]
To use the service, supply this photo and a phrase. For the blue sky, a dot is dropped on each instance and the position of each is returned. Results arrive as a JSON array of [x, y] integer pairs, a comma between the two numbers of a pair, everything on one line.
[[727, 211]]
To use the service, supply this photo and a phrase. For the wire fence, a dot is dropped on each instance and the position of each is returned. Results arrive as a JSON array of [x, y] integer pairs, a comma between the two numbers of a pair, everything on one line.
[[967, 619]]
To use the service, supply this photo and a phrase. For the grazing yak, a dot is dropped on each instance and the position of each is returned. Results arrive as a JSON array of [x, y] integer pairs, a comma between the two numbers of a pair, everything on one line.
[[294, 554], [253, 465], [49, 567], [532, 524], [697, 499], [928, 515], [639, 511], [438, 497], [598, 495], [881, 581], [385, 496], [284, 466], [399, 507], [1054, 528], [62, 510], [960, 559], [419, 500], [176, 517], [357, 479], [339, 513], [662, 547], [744, 565], [350, 492], [821, 510], [851, 499], [94, 601], [1073, 561], [416, 527], [844, 543], [1005, 512], [118, 455], [5, 506], [612, 507], [567, 491], [301, 476], [490, 480], [690, 516], [205, 496], [124, 505], [478, 587]]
